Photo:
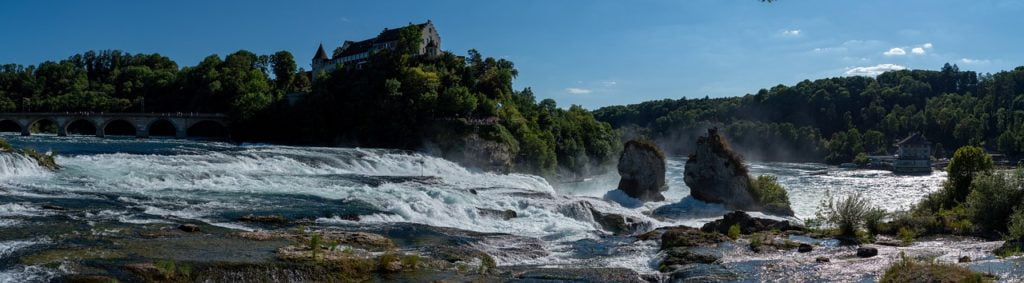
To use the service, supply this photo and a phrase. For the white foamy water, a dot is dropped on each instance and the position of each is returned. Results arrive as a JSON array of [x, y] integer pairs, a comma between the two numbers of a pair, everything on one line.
[[169, 181]]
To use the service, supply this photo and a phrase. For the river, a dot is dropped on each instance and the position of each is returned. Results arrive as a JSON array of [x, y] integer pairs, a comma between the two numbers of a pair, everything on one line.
[[142, 182]]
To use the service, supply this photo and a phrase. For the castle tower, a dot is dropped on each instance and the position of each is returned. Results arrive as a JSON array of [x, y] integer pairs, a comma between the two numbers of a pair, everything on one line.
[[320, 60]]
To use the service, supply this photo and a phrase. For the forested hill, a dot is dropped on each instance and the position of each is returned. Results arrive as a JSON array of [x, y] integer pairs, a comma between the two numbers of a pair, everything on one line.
[[837, 118], [462, 108]]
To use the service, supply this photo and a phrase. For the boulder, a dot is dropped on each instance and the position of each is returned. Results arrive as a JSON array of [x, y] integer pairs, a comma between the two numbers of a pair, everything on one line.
[[689, 237], [716, 174], [964, 259], [617, 224], [642, 167], [748, 224], [805, 248], [273, 219], [683, 256], [866, 252], [821, 259]]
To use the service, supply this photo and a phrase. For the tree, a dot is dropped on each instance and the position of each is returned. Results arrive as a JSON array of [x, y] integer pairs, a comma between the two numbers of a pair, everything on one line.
[[967, 162], [284, 70]]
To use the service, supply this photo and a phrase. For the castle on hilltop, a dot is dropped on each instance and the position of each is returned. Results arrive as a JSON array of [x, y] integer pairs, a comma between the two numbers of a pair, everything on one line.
[[356, 53]]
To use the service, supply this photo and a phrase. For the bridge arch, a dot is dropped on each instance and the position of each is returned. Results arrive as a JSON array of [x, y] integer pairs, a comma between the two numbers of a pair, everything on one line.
[[162, 128], [208, 129], [119, 127], [44, 125], [10, 126], [81, 126]]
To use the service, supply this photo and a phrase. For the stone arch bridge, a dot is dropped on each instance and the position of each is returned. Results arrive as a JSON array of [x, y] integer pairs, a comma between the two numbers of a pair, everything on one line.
[[178, 125]]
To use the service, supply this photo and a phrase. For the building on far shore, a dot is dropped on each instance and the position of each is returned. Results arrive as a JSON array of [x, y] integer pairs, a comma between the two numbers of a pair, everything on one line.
[[913, 155], [352, 54]]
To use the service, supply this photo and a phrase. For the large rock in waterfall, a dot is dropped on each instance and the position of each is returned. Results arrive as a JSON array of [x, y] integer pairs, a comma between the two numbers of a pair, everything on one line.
[[642, 167], [716, 174]]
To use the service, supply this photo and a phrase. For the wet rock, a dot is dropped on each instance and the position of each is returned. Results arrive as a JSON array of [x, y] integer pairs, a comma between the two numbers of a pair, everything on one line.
[[79, 278], [498, 214], [358, 239], [392, 266], [642, 167], [576, 275], [273, 219], [748, 224], [716, 174], [53, 207], [821, 259], [689, 237], [964, 259], [675, 257], [867, 252], [147, 270], [189, 228], [615, 223], [805, 248], [702, 273]]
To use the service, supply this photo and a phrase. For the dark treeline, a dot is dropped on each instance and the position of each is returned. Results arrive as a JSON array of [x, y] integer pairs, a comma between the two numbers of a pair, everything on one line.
[[837, 118], [395, 100]]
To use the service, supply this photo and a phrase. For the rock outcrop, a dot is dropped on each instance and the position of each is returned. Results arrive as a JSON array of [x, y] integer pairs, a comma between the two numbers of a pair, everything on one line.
[[748, 224], [642, 167], [716, 174]]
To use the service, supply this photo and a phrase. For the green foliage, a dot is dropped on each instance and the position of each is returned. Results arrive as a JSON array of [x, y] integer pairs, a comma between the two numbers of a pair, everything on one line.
[[411, 261], [767, 190], [5, 146], [734, 231], [861, 159], [487, 264], [848, 214], [906, 235], [314, 245], [1015, 228], [952, 107], [910, 270], [992, 198], [873, 220]]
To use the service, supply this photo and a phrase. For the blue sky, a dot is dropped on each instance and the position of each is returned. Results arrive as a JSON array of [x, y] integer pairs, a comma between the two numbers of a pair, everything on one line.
[[593, 53]]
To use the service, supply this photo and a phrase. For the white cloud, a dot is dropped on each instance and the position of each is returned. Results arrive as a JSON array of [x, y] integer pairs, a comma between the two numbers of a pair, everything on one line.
[[791, 32], [970, 61], [609, 83], [895, 51], [917, 50], [927, 45], [573, 90], [873, 70]]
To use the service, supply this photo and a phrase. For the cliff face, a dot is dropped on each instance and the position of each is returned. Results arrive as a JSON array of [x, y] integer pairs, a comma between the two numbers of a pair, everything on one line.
[[642, 167], [716, 174]]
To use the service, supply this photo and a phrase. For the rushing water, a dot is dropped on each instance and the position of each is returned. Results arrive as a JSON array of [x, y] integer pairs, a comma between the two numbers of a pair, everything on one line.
[[167, 181]]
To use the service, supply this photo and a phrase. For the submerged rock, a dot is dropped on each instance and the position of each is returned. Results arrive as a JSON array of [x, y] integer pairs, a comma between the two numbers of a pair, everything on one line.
[[867, 252], [275, 219], [703, 273], [189, 228], [748, 224], [498, 214], [642, 167], [716, 174], [678, 256]]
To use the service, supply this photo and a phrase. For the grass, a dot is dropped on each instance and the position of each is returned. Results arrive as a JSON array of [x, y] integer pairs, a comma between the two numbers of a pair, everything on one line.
[[910, 270], [906, 235], [487, 263], [314, 244]]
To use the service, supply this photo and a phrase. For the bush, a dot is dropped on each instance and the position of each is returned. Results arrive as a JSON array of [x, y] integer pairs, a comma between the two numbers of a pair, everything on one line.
[[992, 199], [909, 270], [767, 190], [734, 231], [873, 220], [861, 159], [906, 235], [847, 214], [967, 162], [1015, 229]]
